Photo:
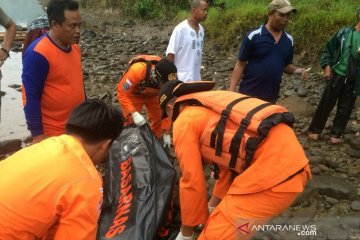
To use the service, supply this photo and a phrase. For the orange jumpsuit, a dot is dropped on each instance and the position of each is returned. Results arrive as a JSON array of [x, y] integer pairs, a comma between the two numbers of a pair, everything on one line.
[[132, 97], [49, 189], [258, 193]]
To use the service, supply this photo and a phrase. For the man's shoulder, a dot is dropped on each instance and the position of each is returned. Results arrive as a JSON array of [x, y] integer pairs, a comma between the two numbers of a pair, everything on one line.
[[183, 24], [255, 32]]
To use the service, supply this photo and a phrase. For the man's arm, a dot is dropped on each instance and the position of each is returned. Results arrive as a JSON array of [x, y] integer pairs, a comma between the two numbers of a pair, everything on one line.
[[131, 79], [35, 70], [237, 74], [171, 57], [292, 69], [8, 37], [79, 210], [173, 45]]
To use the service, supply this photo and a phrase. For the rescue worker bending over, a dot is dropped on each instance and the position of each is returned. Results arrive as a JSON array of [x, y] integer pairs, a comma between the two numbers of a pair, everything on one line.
[[140, 87], [260, 164], [51, 189]]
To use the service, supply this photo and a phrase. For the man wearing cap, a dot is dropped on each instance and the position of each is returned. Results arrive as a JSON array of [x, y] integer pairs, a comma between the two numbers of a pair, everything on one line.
[[247, 193], [266, 53], [135, 91]]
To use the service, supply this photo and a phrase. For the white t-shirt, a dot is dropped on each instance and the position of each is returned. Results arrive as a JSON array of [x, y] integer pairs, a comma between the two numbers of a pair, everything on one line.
[[187, 47]]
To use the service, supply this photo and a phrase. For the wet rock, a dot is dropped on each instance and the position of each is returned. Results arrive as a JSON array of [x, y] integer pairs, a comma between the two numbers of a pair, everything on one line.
[[355, 206], [9, 146], [355, 144], [351, 220], [354, 172], [14, 86], [316, 170], [88, 33], [332, 201], [297, 106], [333, 187], [302, 92], [337, 234], [353, 153]]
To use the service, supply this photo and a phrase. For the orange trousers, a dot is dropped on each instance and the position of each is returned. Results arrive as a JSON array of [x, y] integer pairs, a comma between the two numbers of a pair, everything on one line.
[[236, 214], [152, 109]]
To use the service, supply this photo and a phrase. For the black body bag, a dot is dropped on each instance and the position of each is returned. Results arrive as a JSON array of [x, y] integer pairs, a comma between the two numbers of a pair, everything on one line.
[[138, 187]]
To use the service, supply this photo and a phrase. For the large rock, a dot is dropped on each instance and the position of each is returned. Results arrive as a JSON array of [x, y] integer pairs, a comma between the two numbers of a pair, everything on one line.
[[297, 106], [9, 146], [333, 187]]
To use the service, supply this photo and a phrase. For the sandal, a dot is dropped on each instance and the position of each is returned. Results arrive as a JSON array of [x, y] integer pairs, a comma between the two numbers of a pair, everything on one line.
[[313, 136]]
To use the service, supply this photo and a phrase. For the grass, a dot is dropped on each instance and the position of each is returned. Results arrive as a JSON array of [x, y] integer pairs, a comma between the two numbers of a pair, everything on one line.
[[228, 20]]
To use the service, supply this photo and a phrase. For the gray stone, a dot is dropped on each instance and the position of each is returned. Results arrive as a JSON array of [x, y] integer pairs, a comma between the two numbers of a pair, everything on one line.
[[332, 201], [355, 206], [333, 187], [316, 159], [297, 106], [302, 92], [9, 146], [316, 170], [351, 220], [14, 86], [337, 234]]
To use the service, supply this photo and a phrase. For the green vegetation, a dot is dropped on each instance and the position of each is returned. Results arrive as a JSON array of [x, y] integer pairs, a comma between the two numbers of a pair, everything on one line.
[[229, 20]]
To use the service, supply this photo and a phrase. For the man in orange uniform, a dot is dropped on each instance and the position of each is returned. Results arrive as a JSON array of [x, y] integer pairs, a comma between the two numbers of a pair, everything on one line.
[[52, 75], [135, 91], [249, 195], [52, 190]]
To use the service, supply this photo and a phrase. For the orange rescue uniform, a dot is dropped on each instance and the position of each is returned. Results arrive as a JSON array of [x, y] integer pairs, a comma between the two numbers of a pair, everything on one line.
[[258, 193], [132, 97], [50, 190]]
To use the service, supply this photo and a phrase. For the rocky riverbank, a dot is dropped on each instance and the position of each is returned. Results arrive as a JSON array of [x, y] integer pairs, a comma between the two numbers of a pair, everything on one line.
[[331, 201]]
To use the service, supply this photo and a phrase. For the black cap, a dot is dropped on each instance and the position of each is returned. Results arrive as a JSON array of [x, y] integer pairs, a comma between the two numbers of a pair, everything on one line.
[[166, 93], [166, 70], [178, 88]]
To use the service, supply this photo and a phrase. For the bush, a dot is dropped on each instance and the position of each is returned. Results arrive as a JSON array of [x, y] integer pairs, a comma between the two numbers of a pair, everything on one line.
[[229, 20]]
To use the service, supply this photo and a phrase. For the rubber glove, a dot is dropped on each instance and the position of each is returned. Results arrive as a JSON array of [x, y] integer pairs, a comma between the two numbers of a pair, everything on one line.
[[139, 120], [180, 236], [167, 140]]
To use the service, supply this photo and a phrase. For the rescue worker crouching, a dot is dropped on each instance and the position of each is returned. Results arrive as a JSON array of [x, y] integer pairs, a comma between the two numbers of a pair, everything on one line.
[[139, 87], [248, 193]]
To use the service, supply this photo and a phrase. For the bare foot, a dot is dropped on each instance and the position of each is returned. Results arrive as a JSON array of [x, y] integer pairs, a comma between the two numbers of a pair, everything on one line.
[[334, 140], [313, 136]]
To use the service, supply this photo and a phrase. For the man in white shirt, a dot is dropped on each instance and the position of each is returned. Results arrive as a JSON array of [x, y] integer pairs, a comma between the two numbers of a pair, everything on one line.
[[186, 43]]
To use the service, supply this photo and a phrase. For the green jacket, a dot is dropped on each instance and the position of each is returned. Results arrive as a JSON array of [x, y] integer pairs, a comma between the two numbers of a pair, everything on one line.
[[333, 50]]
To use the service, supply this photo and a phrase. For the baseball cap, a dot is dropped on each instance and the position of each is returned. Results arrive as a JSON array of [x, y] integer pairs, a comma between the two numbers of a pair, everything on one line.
[[166, 70], [178, 88], [283, 6]]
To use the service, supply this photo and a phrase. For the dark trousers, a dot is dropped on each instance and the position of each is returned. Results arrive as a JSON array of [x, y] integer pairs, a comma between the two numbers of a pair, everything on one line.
[[337, 89]]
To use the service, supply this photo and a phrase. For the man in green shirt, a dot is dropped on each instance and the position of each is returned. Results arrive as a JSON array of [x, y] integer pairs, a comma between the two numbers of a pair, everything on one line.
[[340, 60]]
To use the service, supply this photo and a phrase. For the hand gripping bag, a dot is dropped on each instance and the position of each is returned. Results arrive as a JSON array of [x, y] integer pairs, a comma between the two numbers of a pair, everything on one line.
[[138, 187]]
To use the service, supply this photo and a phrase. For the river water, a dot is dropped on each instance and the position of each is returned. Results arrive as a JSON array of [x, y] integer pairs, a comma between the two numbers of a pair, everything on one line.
[[12, 122]]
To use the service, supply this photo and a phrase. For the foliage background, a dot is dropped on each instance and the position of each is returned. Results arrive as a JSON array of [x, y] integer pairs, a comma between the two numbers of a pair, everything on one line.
[[228, 20]]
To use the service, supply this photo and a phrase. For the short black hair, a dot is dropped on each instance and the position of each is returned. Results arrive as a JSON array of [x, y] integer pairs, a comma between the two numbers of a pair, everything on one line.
[[358, 14], [55, 9], [94, 121]]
